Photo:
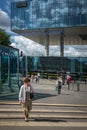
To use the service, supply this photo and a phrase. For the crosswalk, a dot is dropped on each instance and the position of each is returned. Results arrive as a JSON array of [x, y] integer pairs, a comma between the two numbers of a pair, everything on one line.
[[43, 124], [62, 115]]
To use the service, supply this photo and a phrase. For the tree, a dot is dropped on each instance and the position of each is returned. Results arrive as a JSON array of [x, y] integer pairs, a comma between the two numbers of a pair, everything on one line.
[[4, 38]]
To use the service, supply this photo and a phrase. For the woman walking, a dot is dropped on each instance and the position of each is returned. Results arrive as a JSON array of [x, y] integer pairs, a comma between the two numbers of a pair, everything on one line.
[[25, 97]]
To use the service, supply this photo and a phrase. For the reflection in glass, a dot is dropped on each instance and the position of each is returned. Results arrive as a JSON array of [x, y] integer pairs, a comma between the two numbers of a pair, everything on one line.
[[49, 14], [52, 64], [9, 70]]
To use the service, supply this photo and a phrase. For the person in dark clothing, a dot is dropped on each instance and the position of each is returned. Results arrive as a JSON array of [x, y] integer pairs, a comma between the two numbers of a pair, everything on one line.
[[63, 74], [59, 84]]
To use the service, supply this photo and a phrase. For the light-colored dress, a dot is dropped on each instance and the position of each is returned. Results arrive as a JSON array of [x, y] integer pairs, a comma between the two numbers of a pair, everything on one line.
[[24, 96]]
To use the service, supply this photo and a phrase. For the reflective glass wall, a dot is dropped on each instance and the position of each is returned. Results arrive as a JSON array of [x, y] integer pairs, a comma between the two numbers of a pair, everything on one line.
[[53, 64], [34, 14], [9, 70]]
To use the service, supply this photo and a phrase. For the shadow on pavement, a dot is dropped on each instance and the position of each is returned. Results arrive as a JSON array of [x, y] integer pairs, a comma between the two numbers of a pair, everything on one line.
[[49, 120], [65, 94], [42, 95], [36, 96]]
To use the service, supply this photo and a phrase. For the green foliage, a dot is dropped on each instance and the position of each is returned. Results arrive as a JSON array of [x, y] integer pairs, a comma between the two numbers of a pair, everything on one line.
[[4, 38]]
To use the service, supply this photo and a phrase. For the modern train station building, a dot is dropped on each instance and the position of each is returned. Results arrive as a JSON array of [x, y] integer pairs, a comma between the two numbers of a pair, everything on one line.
[[51, 22]]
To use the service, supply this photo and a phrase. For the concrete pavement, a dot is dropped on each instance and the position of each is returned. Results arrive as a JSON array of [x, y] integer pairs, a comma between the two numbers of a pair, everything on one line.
[[45, 93], [50, 111], [42, 128], [44, 115]]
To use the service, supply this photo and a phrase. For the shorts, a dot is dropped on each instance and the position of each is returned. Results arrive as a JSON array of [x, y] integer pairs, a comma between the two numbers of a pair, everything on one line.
[[27, 105]]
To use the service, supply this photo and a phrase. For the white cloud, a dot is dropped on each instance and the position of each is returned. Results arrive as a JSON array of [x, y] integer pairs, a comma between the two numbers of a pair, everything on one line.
[[70, 51], [4, 20], [32, 48], [15, 21], [54, 51], [29, 47], [73, 50], [76, 50]]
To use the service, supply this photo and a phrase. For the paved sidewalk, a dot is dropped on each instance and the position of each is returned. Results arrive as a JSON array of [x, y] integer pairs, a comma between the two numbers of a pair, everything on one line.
[[68, 110], [45, 93]]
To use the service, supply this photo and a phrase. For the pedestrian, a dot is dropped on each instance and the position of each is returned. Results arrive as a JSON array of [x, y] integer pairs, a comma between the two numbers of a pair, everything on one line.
[[59, 84], [26, 96], [32, 78], [63, 74], [38, 75], [68, 81], [36, 79]]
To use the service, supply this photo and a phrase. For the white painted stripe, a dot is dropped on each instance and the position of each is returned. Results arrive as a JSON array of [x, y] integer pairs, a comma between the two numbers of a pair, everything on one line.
[[44, 116], [46, 104], [43, 110], [52, 124]]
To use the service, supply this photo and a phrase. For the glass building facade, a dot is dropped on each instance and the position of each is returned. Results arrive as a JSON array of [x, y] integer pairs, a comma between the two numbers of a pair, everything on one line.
[[9, 70], [52, 65], [48, 14]]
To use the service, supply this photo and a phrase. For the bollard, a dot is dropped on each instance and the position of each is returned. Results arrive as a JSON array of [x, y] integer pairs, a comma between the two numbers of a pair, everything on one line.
[[69, 86], [73, 86], [78, 87], [59, 91]]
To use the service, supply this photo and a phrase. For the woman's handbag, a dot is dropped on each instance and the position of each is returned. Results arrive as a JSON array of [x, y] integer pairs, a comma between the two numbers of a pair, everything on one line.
[[31, 95]]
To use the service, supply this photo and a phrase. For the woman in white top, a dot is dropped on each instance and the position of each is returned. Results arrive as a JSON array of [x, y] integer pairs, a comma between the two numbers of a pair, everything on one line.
[[25, 97]]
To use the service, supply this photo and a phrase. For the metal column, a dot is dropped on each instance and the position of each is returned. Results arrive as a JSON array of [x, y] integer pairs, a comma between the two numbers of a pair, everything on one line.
[[62, 49], [26, 66], [18, 67], [47, 42], [9, 72]]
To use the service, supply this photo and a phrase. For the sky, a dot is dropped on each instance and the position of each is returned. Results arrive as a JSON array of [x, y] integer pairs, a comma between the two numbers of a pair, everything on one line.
[[30, 47]]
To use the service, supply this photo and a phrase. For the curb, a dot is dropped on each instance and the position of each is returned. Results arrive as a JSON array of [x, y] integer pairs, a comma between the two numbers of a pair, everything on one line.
[[42, 117], [45, 104], [41, 111], [35, 124]]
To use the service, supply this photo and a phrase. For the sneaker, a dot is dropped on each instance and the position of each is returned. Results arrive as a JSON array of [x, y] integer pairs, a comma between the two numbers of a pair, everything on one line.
[[26, 119]]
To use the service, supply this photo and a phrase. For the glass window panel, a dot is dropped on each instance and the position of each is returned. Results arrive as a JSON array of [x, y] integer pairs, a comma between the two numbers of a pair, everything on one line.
[[9, 81], [46, 14]]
